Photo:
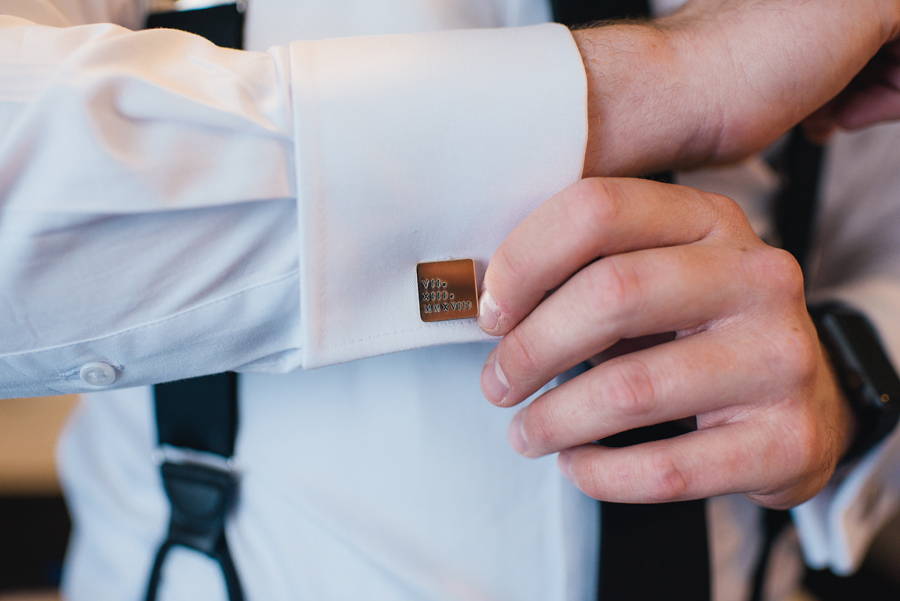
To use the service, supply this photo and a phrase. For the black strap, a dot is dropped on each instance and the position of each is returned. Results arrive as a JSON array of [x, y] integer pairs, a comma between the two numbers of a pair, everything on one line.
[[232, 582], [199, 413], [657, 551], [197, 423], [653, 552], [222, 25], [197, 419], [796, 205], [580, 12]]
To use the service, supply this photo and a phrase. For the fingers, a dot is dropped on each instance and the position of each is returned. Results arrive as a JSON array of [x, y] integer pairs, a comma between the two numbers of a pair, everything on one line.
[[685, 288], [628, 259], [874, 104], [697, 375], [746, 457], [592, 218]]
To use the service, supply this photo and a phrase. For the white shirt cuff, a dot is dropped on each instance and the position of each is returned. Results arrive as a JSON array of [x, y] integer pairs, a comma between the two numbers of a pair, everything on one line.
[[415, 148]]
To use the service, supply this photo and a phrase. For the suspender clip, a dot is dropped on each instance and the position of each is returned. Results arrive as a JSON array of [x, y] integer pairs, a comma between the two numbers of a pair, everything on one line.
[[202, 489]]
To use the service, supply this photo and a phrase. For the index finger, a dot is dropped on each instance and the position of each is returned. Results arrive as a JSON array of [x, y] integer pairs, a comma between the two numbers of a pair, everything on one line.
[[592, 218]]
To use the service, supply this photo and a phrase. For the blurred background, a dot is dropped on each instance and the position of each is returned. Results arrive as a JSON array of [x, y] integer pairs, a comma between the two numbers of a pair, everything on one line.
[[34, 525]]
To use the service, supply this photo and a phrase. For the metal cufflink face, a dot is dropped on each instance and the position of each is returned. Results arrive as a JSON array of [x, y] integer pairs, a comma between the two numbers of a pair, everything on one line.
[[447, 290]]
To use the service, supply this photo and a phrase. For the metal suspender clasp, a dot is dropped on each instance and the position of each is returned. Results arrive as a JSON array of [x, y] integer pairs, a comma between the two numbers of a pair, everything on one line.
[[202, 489], [167, 453]]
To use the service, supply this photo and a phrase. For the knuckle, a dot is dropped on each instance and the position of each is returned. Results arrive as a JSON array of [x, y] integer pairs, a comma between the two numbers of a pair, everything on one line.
[[781, 273], [800, 459], [723, 210], [631, 392], [520, 357], [665, 481], [799, 355], [615, 286], [723, 205], [593, 206], [608, 202], [596, 198]]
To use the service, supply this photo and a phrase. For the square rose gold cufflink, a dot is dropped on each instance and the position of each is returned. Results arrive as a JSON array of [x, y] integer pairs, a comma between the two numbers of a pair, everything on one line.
[[447, 290]]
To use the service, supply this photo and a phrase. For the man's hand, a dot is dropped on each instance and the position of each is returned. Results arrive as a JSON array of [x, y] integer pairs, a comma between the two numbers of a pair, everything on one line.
[[720, 79], [627, 259]]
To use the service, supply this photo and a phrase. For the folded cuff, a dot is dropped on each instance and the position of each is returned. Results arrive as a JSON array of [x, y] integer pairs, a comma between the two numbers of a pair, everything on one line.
[[414, 148]]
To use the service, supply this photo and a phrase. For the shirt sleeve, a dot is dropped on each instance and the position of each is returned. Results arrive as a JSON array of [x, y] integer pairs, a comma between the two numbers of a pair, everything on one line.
[[169, 208], [858, 265]]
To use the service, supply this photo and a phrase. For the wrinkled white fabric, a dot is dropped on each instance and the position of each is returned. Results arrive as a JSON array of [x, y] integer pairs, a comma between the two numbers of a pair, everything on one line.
[[447, 152]]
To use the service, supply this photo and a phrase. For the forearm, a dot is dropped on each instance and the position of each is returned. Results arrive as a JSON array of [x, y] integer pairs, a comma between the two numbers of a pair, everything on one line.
[[718, 81]]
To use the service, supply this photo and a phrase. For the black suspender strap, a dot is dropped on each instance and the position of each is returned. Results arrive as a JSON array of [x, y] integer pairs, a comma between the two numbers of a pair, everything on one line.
[[661, 551], [222, 25], [653, 552], [197, 418], [580, 12], [656, 551], [199, 413], [197, 422], [796, 206], [650, 552]]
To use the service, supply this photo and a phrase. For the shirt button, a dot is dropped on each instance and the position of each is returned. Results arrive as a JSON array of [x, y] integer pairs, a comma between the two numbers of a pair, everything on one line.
[[97, 373]]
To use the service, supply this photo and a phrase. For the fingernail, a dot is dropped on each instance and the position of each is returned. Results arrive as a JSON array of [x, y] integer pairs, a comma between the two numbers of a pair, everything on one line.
[[488, 312], [517, 434], [494, 384], [564, 462]]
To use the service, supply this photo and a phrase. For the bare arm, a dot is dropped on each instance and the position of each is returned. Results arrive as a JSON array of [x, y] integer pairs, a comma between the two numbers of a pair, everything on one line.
[[720, 80]]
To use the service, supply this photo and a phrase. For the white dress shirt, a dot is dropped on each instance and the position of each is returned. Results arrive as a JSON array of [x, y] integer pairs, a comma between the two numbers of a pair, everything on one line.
[[171, 209]]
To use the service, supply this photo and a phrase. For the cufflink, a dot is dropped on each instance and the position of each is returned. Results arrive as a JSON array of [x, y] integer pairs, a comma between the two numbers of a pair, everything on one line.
[[447, 290]]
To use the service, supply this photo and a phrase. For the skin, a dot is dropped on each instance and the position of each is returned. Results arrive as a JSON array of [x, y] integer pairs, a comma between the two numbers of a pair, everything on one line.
[[720, 79], [872, 97], [631, 258], [628, 261]]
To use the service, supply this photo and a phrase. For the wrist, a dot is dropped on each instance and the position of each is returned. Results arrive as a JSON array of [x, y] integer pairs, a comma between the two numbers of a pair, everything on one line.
[[845, 426], [889, 11], [662, 96], [632, 122], [716, 82]]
